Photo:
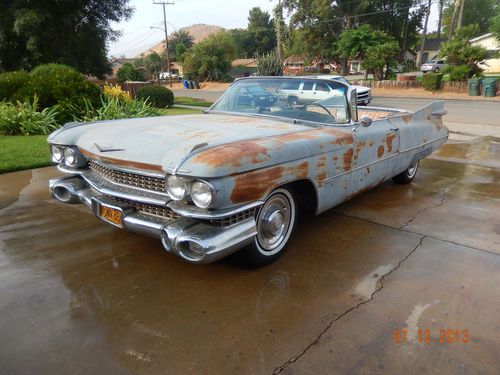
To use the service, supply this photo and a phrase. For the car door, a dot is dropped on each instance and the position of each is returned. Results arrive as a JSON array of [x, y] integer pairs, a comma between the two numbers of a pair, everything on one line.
[[321, 90], [374, 155], [306, 93]]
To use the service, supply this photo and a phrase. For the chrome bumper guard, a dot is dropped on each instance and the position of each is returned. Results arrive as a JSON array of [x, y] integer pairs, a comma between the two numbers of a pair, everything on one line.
[[194, 240]]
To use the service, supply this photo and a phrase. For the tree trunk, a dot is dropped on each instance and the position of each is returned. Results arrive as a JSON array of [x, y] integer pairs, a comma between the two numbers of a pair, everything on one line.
[[343, 64], [424, 33], [453, 18], [460, 15], [440, 19]]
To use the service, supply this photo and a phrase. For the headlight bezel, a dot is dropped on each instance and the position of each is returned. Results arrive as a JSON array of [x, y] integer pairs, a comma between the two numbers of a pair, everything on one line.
[[70, 154], [187, 193], [53, 149], [79, 160]]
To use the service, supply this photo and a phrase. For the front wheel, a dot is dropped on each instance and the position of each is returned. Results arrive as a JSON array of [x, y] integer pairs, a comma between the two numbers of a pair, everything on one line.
[[275, 221], [407, 176]]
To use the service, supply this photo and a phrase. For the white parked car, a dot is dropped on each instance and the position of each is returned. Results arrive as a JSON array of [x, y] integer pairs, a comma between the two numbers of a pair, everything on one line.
[[309, 89], [434, 66]]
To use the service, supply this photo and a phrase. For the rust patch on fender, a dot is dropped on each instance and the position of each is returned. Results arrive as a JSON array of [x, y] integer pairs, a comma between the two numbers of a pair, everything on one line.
[[370, 144], [436, 121], [123, 163], [343, 137], [380, 151], [389, 138], [233, 153], [406, 118], [322, 170], [250, 186], [348, 159]]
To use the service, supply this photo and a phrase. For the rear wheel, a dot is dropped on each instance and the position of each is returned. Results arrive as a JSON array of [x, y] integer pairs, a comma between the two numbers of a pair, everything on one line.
[[436, 70], [293, 100], [276, 221], [407, 176]]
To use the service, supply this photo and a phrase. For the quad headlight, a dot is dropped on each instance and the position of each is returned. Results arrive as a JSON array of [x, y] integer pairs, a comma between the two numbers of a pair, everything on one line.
[[176, 187], [202, 194], [70, 158], [57, 154]]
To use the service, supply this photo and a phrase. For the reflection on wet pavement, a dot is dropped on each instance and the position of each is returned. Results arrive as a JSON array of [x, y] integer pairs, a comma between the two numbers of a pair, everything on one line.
[[79, 296]]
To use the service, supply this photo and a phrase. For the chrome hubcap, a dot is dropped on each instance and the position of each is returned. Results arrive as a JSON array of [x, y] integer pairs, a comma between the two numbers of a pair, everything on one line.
[[273, 222], [412, 170]]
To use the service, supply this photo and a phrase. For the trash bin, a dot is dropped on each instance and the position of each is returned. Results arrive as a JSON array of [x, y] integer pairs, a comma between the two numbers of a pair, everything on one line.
[[489, 86], [191, 84], [473, 86], [196, 85], [186, 84]]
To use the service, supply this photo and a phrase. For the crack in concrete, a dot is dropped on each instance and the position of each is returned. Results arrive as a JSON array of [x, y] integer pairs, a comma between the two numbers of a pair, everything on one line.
[[280, 369], [441, 202]]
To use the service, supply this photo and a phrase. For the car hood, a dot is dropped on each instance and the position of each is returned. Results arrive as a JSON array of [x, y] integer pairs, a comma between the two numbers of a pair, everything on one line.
[[164, 143], [360, 89]]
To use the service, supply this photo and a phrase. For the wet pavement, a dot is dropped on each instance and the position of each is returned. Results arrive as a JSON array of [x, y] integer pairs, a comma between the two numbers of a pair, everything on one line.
[[79, 296]]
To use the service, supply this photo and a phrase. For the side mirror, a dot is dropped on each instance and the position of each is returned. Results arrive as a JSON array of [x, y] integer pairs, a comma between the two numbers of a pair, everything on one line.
[[365, 121]]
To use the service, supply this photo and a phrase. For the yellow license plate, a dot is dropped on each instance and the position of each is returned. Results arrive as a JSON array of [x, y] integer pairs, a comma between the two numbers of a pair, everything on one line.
[[111, 215]]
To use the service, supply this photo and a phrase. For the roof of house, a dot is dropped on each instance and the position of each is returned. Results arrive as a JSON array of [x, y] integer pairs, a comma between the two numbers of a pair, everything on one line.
[[248, 63], [294, 59], [481, 37], [432, 44]]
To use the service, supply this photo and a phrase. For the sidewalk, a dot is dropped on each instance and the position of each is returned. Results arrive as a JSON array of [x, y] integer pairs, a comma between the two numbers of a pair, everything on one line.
[[424, 94]]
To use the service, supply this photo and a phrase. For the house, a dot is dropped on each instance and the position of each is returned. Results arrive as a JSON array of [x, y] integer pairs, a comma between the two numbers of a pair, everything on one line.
[[295, 65], [243, 67], [431, 49], [492, 44]]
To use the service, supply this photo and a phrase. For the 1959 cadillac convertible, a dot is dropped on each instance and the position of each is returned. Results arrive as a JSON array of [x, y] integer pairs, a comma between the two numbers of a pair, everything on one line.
[[237, 176]]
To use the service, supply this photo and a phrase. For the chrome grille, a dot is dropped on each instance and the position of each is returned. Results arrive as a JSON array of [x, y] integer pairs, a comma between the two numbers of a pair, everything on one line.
[[151, 209], [236, 218], [127, 178]]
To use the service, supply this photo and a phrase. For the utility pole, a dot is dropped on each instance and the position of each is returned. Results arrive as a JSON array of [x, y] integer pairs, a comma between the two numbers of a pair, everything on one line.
[[424, 33], [163, 3]]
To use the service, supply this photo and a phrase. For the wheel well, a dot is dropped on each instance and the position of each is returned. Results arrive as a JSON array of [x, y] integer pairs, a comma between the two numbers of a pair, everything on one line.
[[306, 195]]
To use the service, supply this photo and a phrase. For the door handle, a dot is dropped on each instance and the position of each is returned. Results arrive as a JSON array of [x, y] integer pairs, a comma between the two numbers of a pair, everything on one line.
[[395, 129]]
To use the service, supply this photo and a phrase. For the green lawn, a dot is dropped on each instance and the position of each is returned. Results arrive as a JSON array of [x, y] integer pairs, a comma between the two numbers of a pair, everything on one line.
[[191, 101], [23, 152], [26, 152]]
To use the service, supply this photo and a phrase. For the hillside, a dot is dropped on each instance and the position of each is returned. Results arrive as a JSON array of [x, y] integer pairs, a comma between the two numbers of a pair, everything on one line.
[[199, 32]]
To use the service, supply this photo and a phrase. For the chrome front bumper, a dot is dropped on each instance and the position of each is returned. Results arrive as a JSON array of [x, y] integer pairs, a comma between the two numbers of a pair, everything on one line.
[[194, 240]]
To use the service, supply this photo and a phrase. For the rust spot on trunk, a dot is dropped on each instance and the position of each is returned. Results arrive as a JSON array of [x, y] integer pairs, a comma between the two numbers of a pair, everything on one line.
[[389, 138], [380, 151], [234, 154], [348, 160], [122, 163], [370, 144]]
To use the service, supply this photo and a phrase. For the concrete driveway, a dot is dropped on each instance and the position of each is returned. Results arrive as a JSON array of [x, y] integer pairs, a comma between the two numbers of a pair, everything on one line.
[[81, 297]]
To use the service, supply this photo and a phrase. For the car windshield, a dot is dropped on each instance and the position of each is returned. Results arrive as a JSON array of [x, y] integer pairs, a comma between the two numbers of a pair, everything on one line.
[[431, 62], [342, 79], [301, 99]]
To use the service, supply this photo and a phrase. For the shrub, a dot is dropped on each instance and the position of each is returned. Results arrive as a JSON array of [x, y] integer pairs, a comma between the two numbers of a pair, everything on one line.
[[432, 81], [158, 96], [128, 73], [23, 118], [114, 108], [458, 73], [59, 84], [116, 92], [11, 82], [269, 64]]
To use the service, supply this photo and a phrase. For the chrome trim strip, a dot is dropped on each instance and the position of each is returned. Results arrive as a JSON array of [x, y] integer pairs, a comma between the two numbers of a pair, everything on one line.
[[194, 212]]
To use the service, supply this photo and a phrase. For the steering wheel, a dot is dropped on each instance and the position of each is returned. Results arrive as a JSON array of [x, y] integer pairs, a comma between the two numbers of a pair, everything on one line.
[[320, 106]]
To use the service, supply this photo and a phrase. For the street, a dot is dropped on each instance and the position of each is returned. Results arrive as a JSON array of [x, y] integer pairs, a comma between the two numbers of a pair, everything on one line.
[[82, 297]]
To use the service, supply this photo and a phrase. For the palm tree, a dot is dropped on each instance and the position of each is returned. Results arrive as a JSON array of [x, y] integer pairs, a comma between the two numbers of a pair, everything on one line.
[[153, 63]]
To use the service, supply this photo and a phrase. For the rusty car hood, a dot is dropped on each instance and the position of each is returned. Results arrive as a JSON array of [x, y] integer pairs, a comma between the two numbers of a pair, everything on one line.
[[191, 142]]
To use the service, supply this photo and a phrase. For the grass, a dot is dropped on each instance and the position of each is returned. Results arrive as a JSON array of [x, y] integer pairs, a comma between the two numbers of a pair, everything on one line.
[[26, 152], [23, 152], [191, 101]]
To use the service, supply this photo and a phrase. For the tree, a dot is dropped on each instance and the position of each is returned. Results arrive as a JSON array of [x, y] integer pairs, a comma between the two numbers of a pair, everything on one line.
[[75, 33], [355, 43], [261, 28], [460, 53], [477, 12], [381, 57], [243, 40], [153, 64], [211, 58], [129, 73], [178, 43], [495, 26]]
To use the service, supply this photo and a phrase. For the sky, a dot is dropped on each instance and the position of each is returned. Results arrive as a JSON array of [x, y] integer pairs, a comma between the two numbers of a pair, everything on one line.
[[138, 35]]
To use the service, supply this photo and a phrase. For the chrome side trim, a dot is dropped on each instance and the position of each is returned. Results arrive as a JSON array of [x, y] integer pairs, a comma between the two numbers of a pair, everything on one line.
[[195, 212]]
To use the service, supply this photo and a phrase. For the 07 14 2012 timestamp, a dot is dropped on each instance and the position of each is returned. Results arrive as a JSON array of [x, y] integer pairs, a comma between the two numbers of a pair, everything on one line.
[[424, 336]]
